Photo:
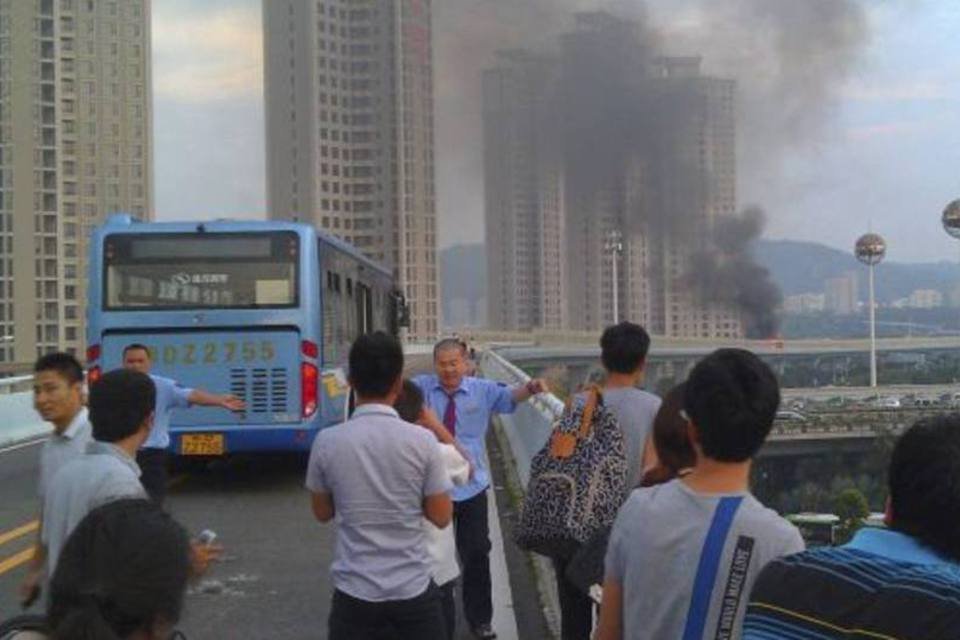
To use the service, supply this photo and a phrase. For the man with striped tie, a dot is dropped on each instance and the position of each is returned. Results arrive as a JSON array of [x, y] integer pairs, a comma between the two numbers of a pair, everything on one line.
[[466, 404]]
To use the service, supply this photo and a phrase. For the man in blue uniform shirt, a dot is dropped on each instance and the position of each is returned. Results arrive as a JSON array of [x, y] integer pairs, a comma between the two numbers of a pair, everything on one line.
[[152, 457], [465, 405]]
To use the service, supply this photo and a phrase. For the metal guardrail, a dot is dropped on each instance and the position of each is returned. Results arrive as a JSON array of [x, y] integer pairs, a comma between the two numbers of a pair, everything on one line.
[[528, 428], [16, 384]]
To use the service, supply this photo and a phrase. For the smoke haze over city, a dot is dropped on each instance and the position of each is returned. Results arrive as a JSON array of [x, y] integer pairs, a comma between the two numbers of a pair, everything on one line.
[[869, 137]]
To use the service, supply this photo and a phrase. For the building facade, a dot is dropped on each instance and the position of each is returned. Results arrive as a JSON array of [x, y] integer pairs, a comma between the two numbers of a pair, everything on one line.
[[350, 132], [75, 145], [644, 153], [841, 294], [523, 196]]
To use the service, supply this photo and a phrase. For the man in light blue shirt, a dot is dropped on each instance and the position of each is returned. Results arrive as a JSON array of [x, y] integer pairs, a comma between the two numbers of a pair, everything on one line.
[[121, 411], [58, 398], [379, 477], [465, 405], [152, 458]]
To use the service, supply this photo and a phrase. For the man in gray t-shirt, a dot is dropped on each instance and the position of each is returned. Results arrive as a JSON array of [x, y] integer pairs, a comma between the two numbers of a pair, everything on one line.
[[683, 556], [624, 348], [656, 548], [635, 410]]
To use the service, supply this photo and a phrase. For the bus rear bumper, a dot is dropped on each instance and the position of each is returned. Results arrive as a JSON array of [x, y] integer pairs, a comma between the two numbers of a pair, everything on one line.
[[246, 439]]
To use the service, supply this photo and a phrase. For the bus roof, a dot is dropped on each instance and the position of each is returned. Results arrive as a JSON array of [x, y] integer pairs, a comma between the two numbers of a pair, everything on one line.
[[126, 222]]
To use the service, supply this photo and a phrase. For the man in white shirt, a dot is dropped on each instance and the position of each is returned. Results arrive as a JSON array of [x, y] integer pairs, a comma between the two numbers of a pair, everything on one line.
[[58, 398], [379, 476]]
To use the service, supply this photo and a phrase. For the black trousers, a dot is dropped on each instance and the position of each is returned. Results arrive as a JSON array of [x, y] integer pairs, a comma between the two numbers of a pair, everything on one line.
[[472, 532], [576, 608], [418, 618], [449, 607], [153, 472]]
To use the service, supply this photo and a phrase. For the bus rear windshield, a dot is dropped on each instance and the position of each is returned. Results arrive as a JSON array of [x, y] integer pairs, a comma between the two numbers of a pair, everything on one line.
[[200, 271]]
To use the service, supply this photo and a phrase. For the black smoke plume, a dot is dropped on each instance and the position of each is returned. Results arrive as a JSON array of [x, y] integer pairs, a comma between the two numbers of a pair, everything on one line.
[[789, 59], [725, 272]]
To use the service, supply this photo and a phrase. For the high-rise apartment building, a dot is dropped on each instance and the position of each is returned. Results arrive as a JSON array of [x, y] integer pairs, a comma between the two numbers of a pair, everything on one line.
[[523, 194], [75, 145], [350, 132], [842, 294], [643, 151]]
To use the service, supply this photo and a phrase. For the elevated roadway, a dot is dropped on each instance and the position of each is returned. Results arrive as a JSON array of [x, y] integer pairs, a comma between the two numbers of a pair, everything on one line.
[[274, 579]]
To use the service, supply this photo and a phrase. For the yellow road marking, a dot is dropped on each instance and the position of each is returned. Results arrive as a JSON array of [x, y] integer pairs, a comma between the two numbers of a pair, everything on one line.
[[16, 560], [13, 534]]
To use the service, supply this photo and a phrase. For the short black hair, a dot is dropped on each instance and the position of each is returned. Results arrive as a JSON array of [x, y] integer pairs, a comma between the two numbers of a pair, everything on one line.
[[376, 361], [624, 347], [136, 346], [448, 344], [731, 397], [63, 363], [924, 482], [410, 403], [123, 569], [119, 403]]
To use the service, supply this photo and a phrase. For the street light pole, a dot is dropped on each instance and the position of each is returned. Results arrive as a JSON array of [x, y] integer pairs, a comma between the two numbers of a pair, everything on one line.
[[951, 219], [870, 249], [873, 333], [614, 245]]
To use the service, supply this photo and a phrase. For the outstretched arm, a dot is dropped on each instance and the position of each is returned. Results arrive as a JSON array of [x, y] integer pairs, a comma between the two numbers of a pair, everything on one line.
[[524, 392], [207, 399]]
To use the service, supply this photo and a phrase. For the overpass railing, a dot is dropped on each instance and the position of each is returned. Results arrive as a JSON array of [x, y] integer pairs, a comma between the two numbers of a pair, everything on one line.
[[19, 422]]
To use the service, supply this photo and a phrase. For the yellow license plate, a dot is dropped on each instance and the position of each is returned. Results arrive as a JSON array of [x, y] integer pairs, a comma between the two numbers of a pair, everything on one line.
[[202, 444]]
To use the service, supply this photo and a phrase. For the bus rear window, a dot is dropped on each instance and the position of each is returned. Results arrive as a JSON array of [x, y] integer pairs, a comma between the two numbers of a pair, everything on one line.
[[200, 271]]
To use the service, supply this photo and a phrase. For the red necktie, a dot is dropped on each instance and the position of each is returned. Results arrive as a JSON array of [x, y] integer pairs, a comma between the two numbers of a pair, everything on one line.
[[450, 415]]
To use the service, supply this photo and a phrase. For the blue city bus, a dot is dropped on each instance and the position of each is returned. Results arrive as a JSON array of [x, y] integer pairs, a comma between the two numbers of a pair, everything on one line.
[[263, 310]]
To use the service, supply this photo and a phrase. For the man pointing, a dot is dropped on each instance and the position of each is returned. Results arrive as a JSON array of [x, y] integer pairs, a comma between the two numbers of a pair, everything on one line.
[[465, 405]]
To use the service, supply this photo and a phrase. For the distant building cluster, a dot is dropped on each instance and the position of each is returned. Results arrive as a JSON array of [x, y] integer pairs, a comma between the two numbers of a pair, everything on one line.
[[842, 294], [605, 153], [920, 299], [841, 297]]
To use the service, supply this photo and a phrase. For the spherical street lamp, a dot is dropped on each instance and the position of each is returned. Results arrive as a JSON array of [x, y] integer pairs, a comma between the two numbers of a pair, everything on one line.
[[951, 219], [870, 250]]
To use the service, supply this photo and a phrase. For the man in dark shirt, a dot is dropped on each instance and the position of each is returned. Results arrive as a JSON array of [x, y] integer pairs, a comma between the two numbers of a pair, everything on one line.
[[899, 582]]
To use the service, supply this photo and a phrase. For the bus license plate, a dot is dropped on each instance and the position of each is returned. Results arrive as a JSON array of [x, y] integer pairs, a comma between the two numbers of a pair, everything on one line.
[[202, 444]]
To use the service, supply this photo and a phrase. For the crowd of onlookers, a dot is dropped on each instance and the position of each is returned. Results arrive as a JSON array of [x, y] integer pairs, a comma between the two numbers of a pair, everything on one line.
[[691, 553]]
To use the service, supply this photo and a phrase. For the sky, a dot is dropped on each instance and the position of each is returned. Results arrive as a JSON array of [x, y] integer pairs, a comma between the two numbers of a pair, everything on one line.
[[886, 157]]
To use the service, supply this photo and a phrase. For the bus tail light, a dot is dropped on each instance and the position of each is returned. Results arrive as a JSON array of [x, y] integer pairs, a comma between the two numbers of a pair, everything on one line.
[[93, 376], [93, 353], [308, 389], [310, 349]]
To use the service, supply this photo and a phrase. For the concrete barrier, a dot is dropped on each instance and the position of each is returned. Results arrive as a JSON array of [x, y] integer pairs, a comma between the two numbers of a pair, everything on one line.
[[19, 422], [523, 433]]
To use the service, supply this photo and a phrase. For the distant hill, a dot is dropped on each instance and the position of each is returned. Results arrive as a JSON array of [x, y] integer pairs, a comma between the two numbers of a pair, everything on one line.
[[801, 267], [798, 267]]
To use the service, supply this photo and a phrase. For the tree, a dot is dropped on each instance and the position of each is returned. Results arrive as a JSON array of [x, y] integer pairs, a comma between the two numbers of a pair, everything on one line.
[[851, 507]]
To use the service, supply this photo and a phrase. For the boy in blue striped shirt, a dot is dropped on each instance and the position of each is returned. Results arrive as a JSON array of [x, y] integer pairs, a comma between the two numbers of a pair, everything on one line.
[[902, 581]]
